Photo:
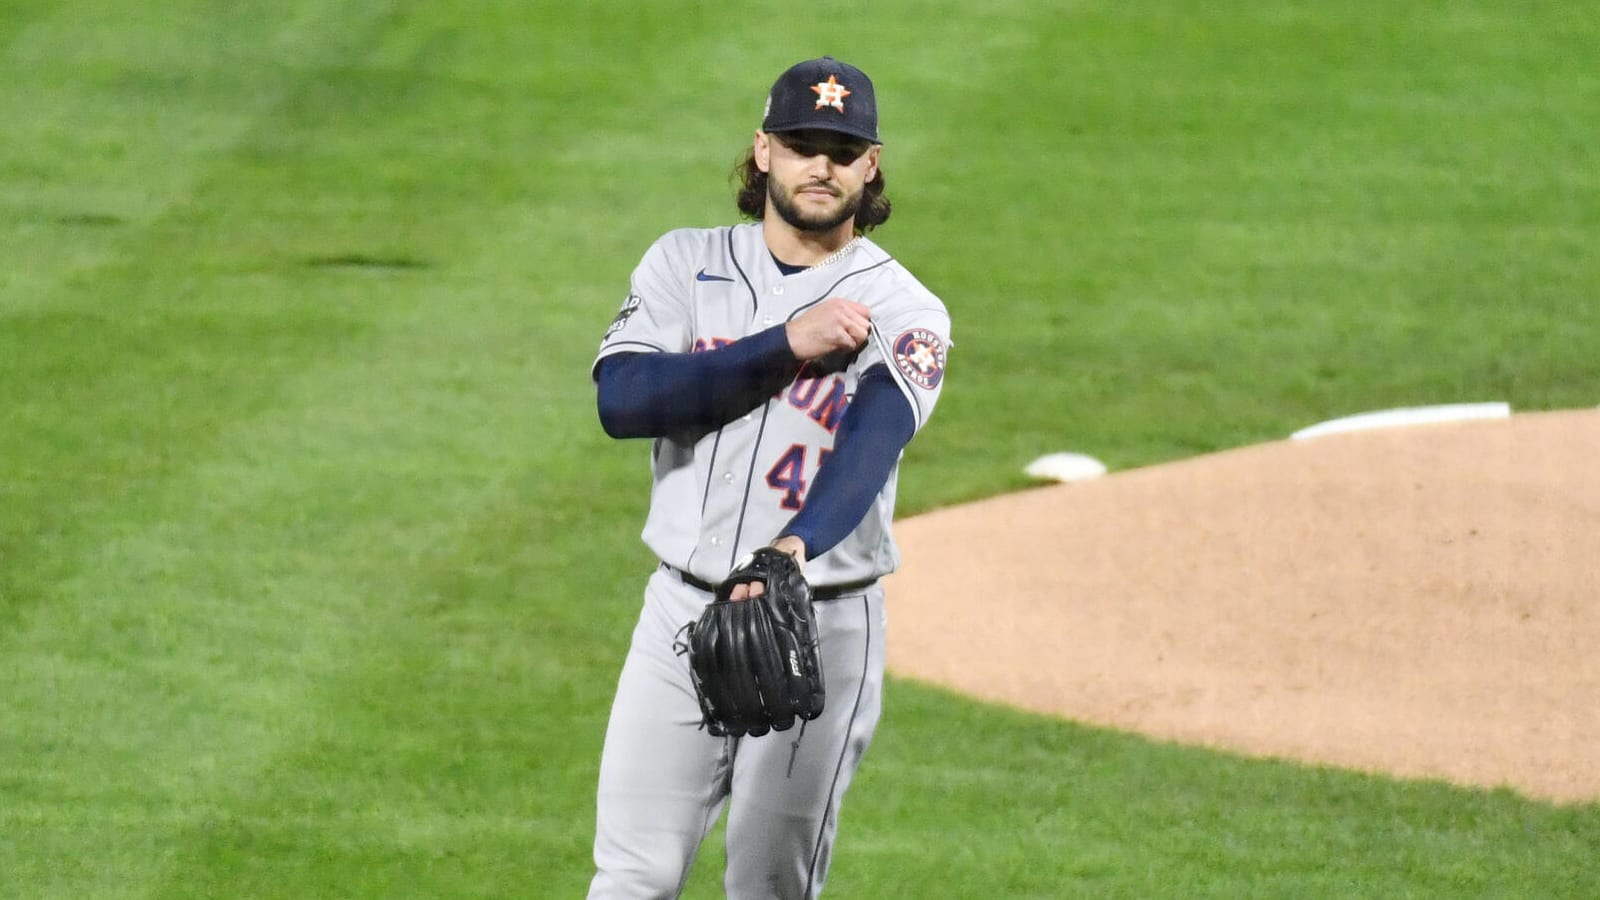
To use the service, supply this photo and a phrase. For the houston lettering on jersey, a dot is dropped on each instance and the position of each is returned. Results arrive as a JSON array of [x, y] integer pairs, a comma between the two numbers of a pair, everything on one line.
[[824, 407]]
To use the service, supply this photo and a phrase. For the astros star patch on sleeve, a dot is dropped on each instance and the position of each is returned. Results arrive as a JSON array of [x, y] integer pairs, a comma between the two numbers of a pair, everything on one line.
[[919, 354]]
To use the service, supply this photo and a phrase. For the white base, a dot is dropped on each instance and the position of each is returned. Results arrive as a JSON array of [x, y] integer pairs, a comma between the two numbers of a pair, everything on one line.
[[1414, 415], [1065, 467]]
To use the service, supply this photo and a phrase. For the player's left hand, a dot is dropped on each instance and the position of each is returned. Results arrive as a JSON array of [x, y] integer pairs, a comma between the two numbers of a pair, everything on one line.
[[789, 544]]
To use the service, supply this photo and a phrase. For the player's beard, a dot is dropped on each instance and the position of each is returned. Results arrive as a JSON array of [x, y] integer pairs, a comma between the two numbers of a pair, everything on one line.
[[790, 211]]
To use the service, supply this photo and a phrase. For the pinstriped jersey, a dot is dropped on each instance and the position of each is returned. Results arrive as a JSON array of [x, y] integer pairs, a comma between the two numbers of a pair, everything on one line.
[[718, 495]]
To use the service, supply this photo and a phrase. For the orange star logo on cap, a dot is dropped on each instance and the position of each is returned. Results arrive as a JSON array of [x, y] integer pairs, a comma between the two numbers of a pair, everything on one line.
[[830, 93]]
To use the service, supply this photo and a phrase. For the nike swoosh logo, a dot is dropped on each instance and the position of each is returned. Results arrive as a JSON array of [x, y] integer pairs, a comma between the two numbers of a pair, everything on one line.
[[702, 276]]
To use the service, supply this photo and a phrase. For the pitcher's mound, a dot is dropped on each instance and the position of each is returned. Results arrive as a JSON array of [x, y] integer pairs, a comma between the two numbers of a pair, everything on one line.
[[1421, 601]]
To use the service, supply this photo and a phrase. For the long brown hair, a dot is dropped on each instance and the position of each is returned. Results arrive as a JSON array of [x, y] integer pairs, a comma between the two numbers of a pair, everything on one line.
[[752, 198]]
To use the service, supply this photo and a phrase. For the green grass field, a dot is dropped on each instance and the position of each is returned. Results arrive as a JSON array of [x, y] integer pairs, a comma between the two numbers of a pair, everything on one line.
[[316, 568]]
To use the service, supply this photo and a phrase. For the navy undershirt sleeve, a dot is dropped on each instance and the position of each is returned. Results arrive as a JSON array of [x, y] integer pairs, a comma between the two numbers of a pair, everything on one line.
[[875, 427], [652, 394]]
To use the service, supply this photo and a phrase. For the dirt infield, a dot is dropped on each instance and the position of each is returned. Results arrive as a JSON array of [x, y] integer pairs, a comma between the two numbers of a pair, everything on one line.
[[1422, 601]]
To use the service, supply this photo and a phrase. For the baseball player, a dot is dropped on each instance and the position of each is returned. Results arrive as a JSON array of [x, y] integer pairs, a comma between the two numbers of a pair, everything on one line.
[[780, 367]]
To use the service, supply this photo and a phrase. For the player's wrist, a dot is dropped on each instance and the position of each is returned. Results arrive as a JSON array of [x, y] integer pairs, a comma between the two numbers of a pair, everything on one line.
[[789, 342], [793, 545]]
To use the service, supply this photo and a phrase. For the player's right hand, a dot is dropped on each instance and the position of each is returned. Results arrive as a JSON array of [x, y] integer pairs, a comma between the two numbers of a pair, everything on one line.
[[832, 325]]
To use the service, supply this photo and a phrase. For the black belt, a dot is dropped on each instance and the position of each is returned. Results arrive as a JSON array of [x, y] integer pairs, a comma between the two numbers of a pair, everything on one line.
[[819, 594]]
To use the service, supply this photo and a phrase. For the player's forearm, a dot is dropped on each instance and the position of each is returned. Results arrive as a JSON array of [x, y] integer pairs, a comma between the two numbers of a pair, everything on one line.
[[875, 428], [652, 394]]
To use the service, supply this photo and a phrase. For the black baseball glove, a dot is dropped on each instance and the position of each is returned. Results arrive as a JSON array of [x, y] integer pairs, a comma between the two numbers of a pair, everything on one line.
[[755, 662]]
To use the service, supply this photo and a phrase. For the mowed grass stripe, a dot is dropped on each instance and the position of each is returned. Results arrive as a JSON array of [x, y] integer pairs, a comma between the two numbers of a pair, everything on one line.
[[1092, 813], [302, 650], [145, 590], [116, 358], [113, 114]]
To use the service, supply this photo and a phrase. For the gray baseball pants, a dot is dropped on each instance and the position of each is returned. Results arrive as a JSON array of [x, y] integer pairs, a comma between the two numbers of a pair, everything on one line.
[[664, 780]]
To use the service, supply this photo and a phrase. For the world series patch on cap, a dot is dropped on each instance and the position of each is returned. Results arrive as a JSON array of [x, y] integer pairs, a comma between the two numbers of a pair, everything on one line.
[[826, 94]]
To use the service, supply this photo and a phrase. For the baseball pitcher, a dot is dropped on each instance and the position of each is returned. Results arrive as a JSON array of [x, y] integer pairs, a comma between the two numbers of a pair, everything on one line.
[[778, 367]]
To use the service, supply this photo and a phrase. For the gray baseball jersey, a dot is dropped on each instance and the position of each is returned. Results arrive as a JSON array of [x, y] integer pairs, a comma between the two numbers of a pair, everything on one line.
[[717, 496]]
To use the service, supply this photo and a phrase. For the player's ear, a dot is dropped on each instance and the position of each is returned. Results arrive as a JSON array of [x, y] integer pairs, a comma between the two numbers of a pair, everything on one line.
[[761, 151], [872, 161]]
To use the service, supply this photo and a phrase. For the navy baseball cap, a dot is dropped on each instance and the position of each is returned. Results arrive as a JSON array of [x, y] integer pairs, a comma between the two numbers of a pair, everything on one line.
[[823, 93]]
